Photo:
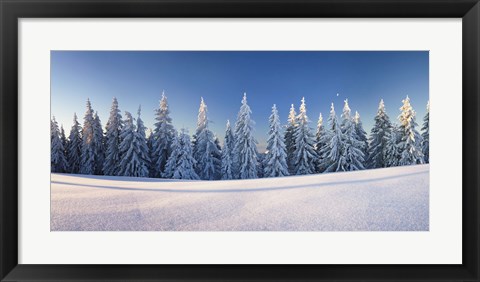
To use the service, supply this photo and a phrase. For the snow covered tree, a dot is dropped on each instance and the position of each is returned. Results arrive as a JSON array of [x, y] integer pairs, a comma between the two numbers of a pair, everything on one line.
[[304, 155], [181, 163], [150, 139], [260, 165], [150, 145], [290, 139], [218, 156], [227, 153], [245, 151], [162, 135], [229, 138], [275, 163], [74, 146], [205, 150], [112, 140], [64, 140], [217, 142], [320, 142], [171, 164], [332, 153], [58, 162], [186, 162], [410, 139], [87, 165], [208, 163], [202, 123], [143, 150], [426, 135], [99, 144], [378, 138], [392, 148], [132, 156], [361, 135], [352, 146]]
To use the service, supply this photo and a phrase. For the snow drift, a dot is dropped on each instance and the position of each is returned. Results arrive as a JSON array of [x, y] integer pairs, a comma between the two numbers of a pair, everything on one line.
[[390, 199]]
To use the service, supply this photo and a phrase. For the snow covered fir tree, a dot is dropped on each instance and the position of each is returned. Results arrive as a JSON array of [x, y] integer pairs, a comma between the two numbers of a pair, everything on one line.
[[74, 146], [378, 138], [227, 153], [410, 138], [205, 150], [275, 163], [332, 155], [114, 126], [290, 138], [126, 147], [58, 161], [353, 147], [133, 148], [163, 134], [181, 164], [426, 135], [304, 155], [319, 143], [89, 160], [245, 148]]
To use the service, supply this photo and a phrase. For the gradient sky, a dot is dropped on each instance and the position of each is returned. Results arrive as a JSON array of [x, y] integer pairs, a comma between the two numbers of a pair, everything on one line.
[[221, 77]]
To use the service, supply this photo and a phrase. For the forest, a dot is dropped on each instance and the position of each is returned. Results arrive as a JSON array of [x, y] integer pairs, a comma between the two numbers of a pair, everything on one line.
[[127, 148]]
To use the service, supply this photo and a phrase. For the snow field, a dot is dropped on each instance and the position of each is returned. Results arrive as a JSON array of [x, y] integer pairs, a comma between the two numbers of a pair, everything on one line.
[[390, 199]]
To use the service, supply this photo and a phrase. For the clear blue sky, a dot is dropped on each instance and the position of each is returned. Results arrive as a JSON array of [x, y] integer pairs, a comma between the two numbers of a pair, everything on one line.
[[221, 78]]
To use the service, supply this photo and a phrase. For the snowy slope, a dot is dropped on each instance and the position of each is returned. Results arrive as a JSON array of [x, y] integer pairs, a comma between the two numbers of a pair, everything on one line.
[[381, 199]]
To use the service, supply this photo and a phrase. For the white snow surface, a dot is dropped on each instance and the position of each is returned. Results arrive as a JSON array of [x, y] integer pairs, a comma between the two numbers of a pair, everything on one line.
[[389, 199]]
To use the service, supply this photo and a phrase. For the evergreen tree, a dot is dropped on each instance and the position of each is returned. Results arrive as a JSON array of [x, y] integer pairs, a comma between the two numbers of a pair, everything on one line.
[[172, 161], [64, 141], [260, 165], [305, 155], [392, 149], [290, 139], [181, 163], [352, 146], [88, 145], [218, 157], [410, 139], [332, 153], [208, 164], [99, 144], [58, 162], [378, 138], [205, 150], [143, 150], [227, 154], [245, 151], [426, 135], [150, 145], [320, 142], [230, 138], [202, 123], [74, 146], [162, 135], [186, 162], [112, 140], [361, 134], [275, 163], [132, 157]]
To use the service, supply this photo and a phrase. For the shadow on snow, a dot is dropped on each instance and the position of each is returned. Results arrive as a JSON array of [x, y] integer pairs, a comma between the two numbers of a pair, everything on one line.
[[179, 190]]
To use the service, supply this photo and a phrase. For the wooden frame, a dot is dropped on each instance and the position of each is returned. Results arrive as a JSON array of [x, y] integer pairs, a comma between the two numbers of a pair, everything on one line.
[[11, 11]]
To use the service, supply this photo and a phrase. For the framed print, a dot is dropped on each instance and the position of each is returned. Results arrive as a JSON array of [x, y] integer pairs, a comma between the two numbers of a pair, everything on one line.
[[239, 140]]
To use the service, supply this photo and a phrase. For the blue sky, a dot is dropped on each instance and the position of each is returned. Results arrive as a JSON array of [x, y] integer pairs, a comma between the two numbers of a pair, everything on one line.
[[221, 77]]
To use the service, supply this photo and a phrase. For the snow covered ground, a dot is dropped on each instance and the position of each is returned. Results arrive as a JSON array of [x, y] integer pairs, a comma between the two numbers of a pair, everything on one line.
[[381, 199]]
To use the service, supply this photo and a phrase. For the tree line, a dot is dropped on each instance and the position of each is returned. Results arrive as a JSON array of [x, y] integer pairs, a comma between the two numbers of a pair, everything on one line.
[[124, 149]]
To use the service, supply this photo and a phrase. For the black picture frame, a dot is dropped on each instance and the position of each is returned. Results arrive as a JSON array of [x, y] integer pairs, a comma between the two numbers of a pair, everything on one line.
[[12, 10]]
